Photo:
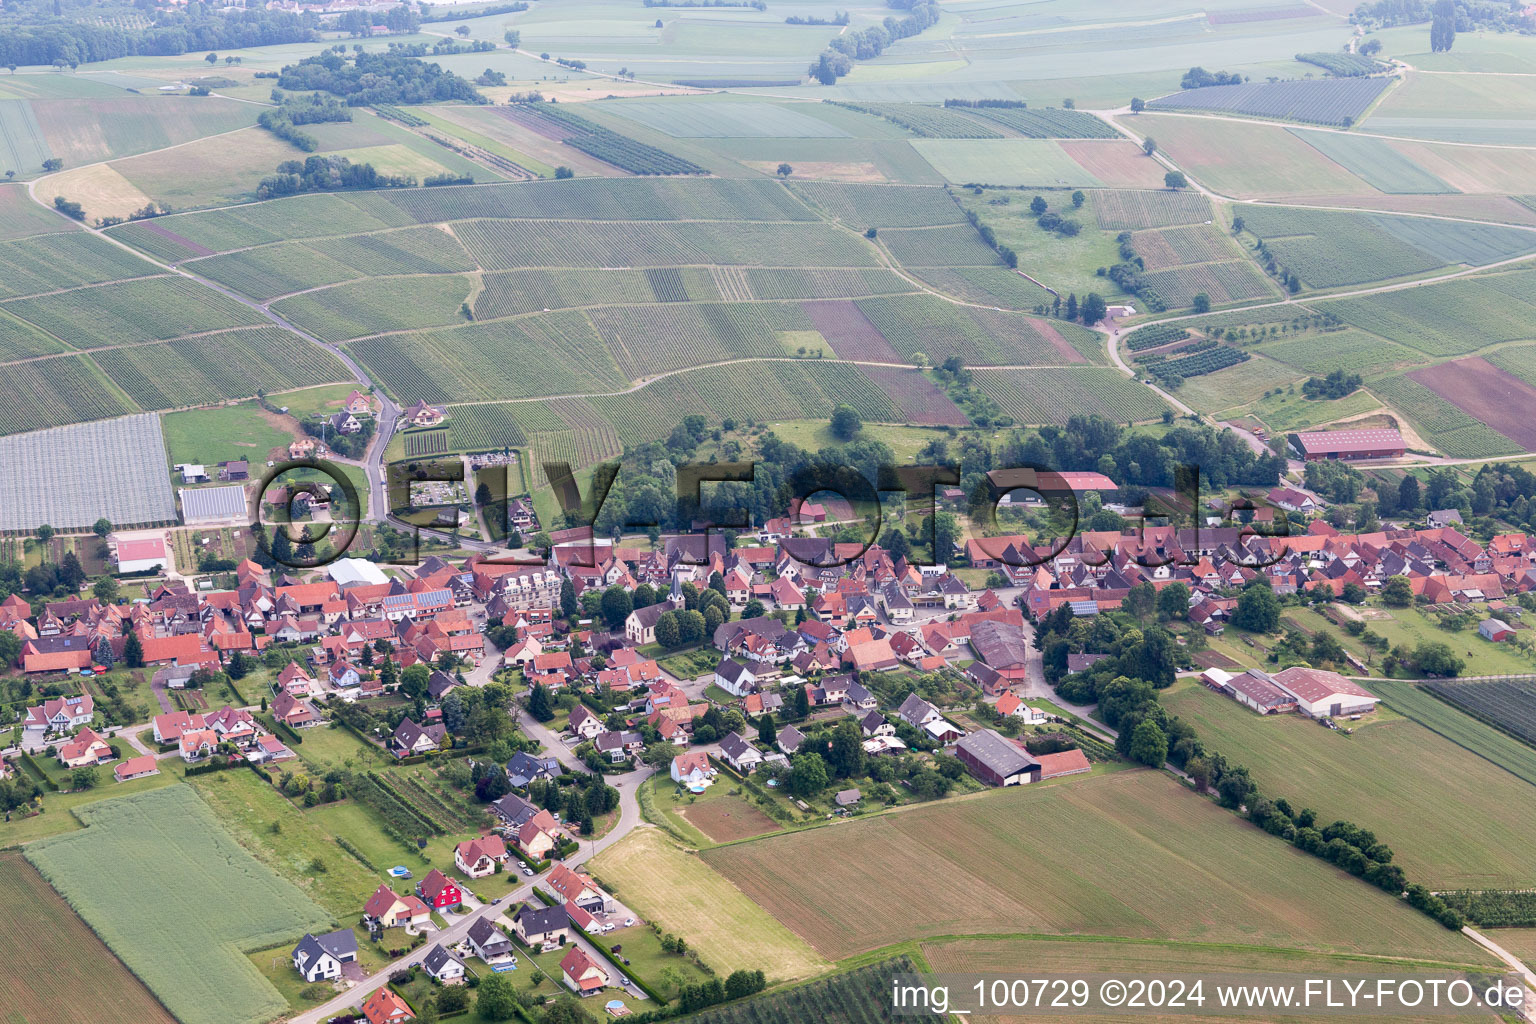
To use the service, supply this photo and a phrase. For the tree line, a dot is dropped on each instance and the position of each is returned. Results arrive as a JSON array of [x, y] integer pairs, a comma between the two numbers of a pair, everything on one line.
[[32, 38]]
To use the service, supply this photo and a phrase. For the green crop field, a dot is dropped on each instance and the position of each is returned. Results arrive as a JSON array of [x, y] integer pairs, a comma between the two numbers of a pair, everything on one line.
[[1129, 853], [1445, 426], [370, 307], [1327, 248], [1233, 281], [508, 245], [1236, 385], [646, 340], [231, 364], [20, 340], [930, 122], [1478, 847], [1417, 703], [1131, 211], [47, 263], [1323, 352], [1004, 162], [1460, 241], [1249, 160], [920, 323], [1518, 360], [958, 246], [20, 217], [503, 425], [268, 271], [860, 996], [1001, 955], [704, 119], [1052, 395], [988, 286], [190, 955], [603, 200], [1447, 319], [553, 353], [54, 392], [149, 310], [1375, 161], [49, 950], [1161, 248], [881, 206], [820, 283]]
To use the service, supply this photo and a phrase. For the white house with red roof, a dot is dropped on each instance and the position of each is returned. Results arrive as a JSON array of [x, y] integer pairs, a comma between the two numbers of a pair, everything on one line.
[[87, 747], [60, 714], [136, 768], [170, 726], [476, 858], [581, 973]]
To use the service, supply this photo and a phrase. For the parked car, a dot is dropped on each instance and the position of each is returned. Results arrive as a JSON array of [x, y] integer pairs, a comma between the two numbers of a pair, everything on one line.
[[629, 922], [528, 872]]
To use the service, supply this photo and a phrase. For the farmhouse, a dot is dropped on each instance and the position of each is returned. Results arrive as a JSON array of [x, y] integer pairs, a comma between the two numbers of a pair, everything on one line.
[[1319, 693], [577, 889], [389, 910], [1252, 689], [693, 767], [1066, 762], [1320, 445], [740, 754], [995, 761], [320, 958], [86, 748]]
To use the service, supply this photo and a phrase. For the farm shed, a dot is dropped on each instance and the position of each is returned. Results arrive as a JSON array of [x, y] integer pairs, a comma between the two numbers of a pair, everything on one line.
[[996, 761], [139, 554], [1319, 693], [1319, 445], [212, 504]]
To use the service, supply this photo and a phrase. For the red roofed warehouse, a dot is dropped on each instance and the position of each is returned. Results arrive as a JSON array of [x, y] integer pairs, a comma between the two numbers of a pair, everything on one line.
[[1318, 445]]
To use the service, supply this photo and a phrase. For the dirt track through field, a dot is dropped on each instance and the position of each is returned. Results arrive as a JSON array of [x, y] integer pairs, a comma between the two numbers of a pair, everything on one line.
[[1486, 393]]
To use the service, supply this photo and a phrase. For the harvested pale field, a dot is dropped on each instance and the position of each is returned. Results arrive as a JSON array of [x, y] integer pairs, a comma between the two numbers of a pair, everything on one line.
[[1487, 394], [681, 893], [1247, 160], [1129, 854], [726, 818], [55, 964], [1499, 170], [1501, 209], [1009, 956], [101, 190], [1118, 164], [824, 170]]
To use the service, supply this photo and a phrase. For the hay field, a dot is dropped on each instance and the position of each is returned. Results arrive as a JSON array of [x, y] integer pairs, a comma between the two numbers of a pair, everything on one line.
[[1394, 777], [49, 951], [1129, 854], [680, 893], [158, 921], [1248, 160]]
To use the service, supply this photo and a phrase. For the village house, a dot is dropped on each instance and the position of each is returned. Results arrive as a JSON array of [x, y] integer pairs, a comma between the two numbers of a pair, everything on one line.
[[581, 973], [387, 909], [443, 965], [692, 767], [476, 858], [439, 891], [539, 926], [489, 942], [319, 958], [740, 754], [385, 1007]]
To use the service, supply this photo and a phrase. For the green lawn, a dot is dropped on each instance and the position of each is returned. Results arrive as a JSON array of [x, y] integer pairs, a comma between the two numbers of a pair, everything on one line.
[[326, 398], [664, 972], [1287, 412], [211, 436], [56, 817], [329, 746], [1442, 809], [1411, 627], [813, 435], [249, 808], [1067, 264]]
